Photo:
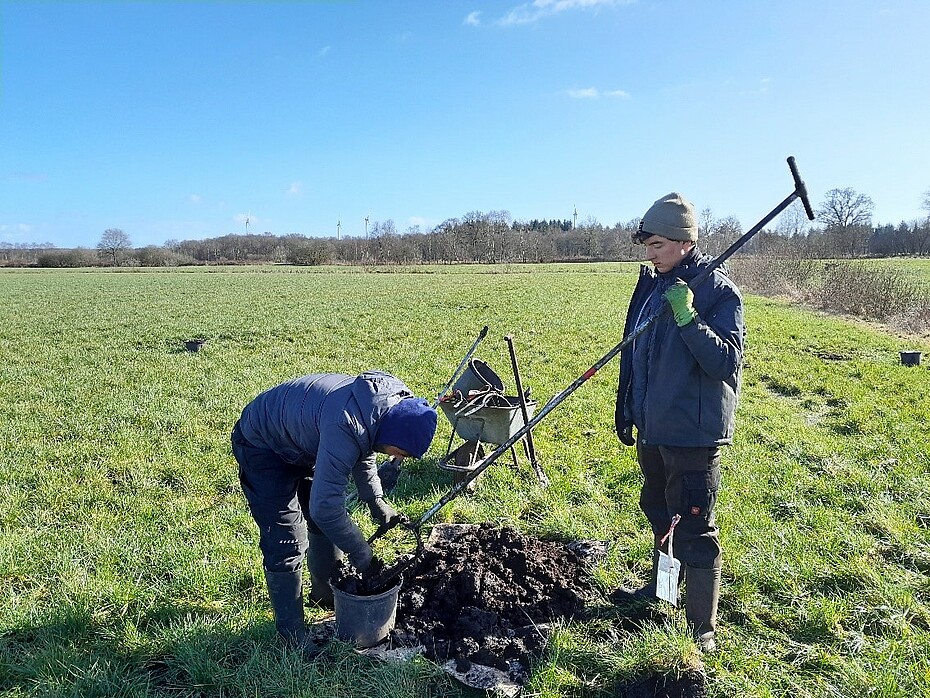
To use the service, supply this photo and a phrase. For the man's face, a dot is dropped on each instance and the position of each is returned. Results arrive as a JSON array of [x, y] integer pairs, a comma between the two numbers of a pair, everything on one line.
[[397, 454], [665, 254]]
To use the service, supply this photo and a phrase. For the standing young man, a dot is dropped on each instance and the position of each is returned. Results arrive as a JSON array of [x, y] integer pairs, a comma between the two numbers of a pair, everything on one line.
[[297, 445], [679, 385]]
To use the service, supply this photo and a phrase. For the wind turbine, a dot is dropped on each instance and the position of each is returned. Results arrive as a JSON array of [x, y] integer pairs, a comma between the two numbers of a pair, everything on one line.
[[366, 227], [338, 230], [575, 219], [247, 217]]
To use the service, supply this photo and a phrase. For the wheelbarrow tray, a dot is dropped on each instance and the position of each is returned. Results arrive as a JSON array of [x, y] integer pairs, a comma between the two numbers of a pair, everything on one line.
[[489, 424]]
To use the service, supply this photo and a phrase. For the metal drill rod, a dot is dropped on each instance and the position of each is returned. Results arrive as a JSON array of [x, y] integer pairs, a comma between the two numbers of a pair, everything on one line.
[[474, 346]]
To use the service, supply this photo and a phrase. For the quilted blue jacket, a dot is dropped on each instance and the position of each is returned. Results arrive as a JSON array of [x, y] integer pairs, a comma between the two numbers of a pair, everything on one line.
[[691, 386], [326, 423]]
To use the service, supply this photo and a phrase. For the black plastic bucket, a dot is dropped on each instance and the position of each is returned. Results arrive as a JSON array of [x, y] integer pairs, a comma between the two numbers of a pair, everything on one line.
[[194, 344], [478, 376], [910, 358], [365, 621]]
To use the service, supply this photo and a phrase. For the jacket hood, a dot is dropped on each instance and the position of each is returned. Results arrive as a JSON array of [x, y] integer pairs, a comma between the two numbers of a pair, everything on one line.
[[376, 392]]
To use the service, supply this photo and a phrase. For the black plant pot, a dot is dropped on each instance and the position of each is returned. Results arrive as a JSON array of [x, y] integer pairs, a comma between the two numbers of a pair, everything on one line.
[[910, 358]]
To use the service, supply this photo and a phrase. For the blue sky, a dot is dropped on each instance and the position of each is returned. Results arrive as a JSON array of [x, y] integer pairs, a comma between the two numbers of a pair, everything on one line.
[[176, 120]]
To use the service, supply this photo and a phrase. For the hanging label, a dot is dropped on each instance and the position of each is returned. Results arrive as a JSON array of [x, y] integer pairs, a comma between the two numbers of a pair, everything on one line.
[[669, 568]]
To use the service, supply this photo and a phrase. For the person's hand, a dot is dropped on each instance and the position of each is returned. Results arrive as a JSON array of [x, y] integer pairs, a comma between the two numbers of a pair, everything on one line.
[[626, 437], [374, 568], [681, 299], [383, 514], [389, 473]]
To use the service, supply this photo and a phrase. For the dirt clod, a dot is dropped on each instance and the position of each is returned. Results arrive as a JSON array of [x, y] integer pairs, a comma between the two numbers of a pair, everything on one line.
[[481, 594]]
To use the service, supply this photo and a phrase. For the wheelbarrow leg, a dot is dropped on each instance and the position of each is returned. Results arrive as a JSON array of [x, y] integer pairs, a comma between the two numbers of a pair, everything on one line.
[[528, 439], [445, 458], [466, 456]]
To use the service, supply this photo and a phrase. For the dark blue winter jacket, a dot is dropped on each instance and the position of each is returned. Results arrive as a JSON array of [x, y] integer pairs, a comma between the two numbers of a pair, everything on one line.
[[326, 423], [687, 379]]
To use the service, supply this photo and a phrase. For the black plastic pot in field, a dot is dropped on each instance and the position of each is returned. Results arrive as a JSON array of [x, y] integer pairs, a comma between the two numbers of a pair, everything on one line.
[[194, 344], [910, 358]]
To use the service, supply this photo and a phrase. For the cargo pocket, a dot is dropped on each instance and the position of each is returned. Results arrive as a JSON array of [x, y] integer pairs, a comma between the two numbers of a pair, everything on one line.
[[699, 492]]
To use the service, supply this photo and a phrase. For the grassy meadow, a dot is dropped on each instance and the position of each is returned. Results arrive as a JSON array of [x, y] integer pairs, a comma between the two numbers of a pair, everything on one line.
[[129, 564]]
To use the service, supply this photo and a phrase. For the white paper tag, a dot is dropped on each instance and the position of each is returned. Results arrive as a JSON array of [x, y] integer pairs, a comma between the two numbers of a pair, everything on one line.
[[667, 578]]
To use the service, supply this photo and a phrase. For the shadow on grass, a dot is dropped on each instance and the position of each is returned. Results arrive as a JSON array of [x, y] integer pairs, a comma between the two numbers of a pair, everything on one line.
[[191, 652], [626, 612], [689, 685]]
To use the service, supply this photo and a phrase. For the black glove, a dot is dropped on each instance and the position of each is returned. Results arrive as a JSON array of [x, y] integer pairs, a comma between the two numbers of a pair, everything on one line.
[[382, 513], [388, 474], [626, 436], [374, 568]]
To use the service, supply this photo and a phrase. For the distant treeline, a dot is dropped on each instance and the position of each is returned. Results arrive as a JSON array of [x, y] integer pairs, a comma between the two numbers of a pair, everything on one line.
[[487, 238]]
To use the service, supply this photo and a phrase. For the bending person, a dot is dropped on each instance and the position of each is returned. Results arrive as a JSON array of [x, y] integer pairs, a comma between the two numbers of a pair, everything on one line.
[[297, 445]]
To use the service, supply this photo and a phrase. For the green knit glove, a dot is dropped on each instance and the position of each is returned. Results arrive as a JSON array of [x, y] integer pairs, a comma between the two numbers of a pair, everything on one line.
[[680, 297]]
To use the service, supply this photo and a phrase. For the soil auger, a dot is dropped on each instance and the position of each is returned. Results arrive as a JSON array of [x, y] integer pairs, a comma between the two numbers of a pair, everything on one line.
[[800, 192]]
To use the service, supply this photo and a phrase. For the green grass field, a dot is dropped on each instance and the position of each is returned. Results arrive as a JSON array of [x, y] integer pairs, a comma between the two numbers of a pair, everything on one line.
[[918, 267], [128, 560]]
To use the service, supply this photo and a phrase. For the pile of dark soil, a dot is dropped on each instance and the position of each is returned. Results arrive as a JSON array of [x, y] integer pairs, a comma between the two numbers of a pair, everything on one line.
[[480, 594]]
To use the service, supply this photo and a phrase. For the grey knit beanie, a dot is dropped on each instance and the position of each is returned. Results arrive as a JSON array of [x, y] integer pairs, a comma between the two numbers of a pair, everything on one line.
[[671, 217]]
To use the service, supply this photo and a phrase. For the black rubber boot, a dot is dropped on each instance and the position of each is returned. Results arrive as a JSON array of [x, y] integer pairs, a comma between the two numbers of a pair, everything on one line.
[[284, 590], [702, 594], [321, 560], [648, 590], [645, 593]]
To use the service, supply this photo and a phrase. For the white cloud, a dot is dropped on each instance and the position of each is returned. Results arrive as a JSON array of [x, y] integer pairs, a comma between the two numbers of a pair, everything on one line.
[[323, 51], [761, 89], [584, 93], [594, 93], [195, 199], [296, 189], [530, 12], [473, 19]]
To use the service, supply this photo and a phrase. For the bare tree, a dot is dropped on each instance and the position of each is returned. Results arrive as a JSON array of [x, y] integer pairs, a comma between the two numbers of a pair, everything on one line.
[[113, 243], [793, 220], [844, 208], [723, 233], [706, 222]]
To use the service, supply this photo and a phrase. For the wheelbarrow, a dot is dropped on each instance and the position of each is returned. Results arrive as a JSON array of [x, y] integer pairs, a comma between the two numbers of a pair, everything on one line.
[[493, 419]]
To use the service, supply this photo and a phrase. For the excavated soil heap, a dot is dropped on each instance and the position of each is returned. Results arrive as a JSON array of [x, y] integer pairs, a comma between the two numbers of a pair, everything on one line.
[[482, 595], [478, 593]]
